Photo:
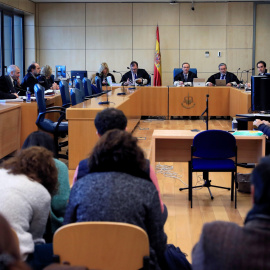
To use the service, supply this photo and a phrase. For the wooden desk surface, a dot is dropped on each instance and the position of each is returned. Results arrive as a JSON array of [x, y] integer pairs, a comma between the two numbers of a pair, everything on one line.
[[175, 146], [81, 129], [10, 126]]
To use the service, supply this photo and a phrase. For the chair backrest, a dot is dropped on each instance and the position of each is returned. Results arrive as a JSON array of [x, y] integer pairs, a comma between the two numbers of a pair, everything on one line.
[[64, 90], [87, 87], [76, 96], [102, 245], [149, 81], [214, 144], [176, 71], [39, 93], [98, 83]]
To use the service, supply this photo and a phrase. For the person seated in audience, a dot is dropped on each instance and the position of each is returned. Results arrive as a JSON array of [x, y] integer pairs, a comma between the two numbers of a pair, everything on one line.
[[185, 75], [135, 75], [104, 72], [10, 258], [225, 245], [60, 199], [223, 74], [109, 119], [264, 126], [44, 79], [27, 182], [30, 79], [118, 189], [10, 83]]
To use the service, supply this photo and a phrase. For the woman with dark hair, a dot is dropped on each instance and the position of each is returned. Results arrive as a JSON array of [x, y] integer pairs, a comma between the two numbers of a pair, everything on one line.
[[60, 199], [27, 182], [118, 189], [10, 258]]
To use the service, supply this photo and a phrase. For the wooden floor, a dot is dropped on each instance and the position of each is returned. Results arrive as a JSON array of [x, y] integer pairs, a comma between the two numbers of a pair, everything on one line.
[[183, 226]]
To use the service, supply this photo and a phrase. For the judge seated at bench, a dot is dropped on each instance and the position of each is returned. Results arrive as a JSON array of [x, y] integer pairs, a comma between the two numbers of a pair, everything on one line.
[[135, 75], [185, 76], [223, 74], [10, 83]]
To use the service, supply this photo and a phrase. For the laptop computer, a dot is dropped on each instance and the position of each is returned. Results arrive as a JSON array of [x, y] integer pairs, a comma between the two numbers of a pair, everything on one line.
[[198, 82], [220, 82]]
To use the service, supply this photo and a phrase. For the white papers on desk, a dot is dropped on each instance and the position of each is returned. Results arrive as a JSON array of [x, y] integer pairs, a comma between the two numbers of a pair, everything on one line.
[[11, 100], [116, 84]]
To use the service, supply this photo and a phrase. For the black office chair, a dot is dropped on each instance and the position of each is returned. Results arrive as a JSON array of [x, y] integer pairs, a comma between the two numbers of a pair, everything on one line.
[[212, 151], [88, 91], [59, 128], [76, 96]]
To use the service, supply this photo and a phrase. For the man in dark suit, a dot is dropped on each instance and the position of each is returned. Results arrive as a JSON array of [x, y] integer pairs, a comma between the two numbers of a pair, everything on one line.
[[30, 79], [185, 75], [10, 83], [135, 75], [226, 245], [261, 66], [223, 74]]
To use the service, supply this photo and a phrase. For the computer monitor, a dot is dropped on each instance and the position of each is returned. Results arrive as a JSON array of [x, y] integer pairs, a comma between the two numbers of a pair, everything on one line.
[[60, 72], [260, 93], [78, 74]]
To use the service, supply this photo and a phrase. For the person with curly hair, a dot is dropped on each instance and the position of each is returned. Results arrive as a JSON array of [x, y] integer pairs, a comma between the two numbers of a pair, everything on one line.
[[27, 182], [44, 79]]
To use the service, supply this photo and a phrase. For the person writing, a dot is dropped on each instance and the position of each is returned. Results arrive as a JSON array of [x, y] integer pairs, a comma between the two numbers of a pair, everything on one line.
[[135, 75], [104, 72]]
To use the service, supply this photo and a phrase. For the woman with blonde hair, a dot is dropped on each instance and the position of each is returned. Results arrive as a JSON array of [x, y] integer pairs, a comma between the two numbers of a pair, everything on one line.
[[44, 78], [104, 72]]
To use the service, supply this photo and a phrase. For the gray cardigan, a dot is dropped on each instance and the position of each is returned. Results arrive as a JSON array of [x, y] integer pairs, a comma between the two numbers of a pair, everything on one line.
[[119, 197]]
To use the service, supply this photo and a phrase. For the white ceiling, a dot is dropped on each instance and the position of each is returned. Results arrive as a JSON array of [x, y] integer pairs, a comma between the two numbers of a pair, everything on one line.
[[142, 1]]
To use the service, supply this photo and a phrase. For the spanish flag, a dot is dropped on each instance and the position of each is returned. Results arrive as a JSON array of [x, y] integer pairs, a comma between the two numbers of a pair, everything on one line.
[[157, 67]]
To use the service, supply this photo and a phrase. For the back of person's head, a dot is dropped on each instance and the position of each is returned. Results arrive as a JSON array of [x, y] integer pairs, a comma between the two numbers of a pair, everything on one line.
[[46, 71], [39, 138], [37, 164], [9, 248], [110, 118], [260, 179], [117, 151]]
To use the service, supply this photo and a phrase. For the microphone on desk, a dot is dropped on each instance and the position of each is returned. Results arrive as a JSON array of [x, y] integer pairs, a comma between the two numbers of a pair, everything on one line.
[[237, 72], [114, 71], [128, 67]]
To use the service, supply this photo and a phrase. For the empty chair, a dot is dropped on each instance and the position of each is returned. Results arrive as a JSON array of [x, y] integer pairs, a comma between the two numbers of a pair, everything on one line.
[[64, 90], [98, 84], [212, 151], [76, 96], [102, 245], [58, 128], [87, 87]]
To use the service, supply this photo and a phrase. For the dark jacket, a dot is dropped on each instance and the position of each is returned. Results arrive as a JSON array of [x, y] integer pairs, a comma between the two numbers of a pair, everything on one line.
[[181, 77], [104, 77], [119, 197], [46, 83], [7, 88], [230, 77], [141, 73], [29, 81]]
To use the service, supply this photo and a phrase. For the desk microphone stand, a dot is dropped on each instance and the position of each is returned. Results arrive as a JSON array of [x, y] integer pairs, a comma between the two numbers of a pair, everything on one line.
[[206, 111], [105, 102], [123, 91]]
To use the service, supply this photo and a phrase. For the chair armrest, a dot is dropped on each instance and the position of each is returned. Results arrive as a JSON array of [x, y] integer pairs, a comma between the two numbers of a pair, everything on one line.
[[55, 107]]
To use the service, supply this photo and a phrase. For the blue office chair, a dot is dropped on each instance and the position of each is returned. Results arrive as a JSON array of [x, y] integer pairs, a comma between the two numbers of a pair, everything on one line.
[[98, 83], [88, 89], [76, 96], [64, 90], [212, 151], [176, 71], [58, 128]]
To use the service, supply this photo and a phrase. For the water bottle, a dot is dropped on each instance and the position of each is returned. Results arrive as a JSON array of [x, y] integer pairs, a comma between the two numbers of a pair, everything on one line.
[[70, 85], [234, 124], [28, 95]]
